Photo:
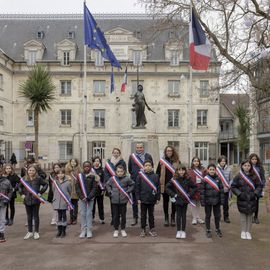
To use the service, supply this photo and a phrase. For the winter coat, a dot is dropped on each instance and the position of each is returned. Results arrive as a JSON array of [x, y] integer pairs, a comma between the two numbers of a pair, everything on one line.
[[6, 189], [117, 197], [144, 192], [14, 180], [210, 196], [38, 184], [134, 169], [90, 185], [197, 181], [187, 184], [246, 196], [262, 174], [58, 202], [164, 174], [100, 173], [107, 175], [50, 192], [228, 175]]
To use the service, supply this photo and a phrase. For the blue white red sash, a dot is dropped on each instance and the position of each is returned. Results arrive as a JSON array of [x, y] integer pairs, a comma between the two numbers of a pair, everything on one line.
[[168, 165], [209, 180], [257, 173], [110, 169], [137, 160], [222, 178], [182, 191], [247, 180], [198, 173], [32, 191], [117, 184], [4, 196], [81, 182], [147, 180], [99, 182], [62, 194]]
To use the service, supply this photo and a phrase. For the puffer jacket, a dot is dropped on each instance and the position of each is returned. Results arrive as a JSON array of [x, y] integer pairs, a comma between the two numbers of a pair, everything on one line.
[[90, 185], [144, 192], [187, 184], [246, 196], [117, 197], [58, 202], [210, 196], [6, 189]]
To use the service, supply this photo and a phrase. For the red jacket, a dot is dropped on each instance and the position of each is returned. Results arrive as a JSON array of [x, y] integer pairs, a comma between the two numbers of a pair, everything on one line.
[[197, 181]]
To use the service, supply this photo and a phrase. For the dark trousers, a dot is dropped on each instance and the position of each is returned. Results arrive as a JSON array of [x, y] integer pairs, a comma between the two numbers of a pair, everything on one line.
[[119, 211], [150, 209], [10, 206], [166, 200], [257, 208], [226, 205], [135, 206], [99, 201], [181, 217], [74, 213], [62, 217], [32, 212], [208, 211]]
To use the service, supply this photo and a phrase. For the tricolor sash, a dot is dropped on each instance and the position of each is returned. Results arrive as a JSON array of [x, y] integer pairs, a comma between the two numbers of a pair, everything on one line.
[[118, 185], [147, 180], [182, 191], [32, 191], [99, 182], [137, 160], [81, 182], [62, 193], [209, 180], [247, 180], [168, 165], [257, 173], [222, 178], [110, 169], [198, 173], [4, 196]]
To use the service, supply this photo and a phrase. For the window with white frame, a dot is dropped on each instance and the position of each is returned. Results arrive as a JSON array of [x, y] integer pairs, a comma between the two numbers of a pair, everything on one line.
[[173, 118], [66, 58], [202, 151], [30, 118], [134, 85], [65, 117], [98, 149], [32, 57], [174, 87], [201, 118], [204, 88], [1, 81], [174, 58], [99, 118], [99, 60], [1, 115], [99, 87], [137, 58], [65, 150], [65, 88]]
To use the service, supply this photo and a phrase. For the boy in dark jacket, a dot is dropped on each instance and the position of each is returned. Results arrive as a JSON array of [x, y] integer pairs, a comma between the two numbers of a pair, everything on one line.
[[212, 197], [148, 194], [173, 189]]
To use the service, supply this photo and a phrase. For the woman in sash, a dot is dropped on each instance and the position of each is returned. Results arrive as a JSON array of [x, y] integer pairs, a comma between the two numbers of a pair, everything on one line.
[[34, 185], [165, 175], [247, 188], [259, 172], [72, 170], [196, 173]]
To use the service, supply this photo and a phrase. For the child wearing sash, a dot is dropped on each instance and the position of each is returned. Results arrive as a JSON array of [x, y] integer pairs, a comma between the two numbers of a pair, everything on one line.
[[6, 192], [259, 172], [247, 188], [86, 188], [226, 173], [119, 188], [59, 203], [212, 197], [148, 194], [196, 173], [34, 185], [181, 180]]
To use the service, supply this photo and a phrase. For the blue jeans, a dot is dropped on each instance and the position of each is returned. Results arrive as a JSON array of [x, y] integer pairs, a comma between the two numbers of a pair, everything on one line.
[[86, 209]]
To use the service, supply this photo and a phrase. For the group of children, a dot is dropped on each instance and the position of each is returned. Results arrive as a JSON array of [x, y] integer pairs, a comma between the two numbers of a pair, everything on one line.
[[72, 187]]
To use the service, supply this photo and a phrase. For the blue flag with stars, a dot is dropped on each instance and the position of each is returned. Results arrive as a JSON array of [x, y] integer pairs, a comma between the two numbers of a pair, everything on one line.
[[94, 38]]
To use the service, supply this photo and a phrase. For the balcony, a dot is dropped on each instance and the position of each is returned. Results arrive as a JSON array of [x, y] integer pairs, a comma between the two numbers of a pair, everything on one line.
[[228, 135]]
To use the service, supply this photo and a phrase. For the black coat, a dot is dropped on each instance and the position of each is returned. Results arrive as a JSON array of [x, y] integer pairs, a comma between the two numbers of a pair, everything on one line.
[[50, 192], [187, 184], [14, 180], [246, 196], [107, 175], [144, 192], [90, 187], [100, 172], [210, 196], [38, 184]]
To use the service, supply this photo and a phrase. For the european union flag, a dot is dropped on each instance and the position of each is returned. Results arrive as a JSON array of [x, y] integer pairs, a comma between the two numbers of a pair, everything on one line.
[[94, 38]]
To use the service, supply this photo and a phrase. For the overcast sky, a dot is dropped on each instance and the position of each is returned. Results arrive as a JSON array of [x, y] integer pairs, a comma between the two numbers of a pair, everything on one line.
[[69, 6]]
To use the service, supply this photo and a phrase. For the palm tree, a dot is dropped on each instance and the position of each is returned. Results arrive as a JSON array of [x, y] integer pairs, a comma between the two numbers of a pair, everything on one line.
[[39, 91]]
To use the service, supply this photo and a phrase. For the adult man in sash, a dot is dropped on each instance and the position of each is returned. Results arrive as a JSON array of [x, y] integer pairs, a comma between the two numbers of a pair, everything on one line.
[[135, 164]]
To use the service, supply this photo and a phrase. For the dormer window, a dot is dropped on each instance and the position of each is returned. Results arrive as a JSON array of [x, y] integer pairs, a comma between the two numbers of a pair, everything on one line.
[[71, 34], [138, 34], [32, 57], [66, 57], [66, 51], [174, 58], [33, 52], [40, 34]]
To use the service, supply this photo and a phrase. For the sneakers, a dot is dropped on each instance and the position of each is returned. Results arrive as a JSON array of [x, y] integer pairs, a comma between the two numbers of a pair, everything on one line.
[[123, 233], [102, 221], [53, 222], [10, 222], [2, 237], [143, 234], [63, 231], [153, 233], [28, 235], [219, 233], [172, 221], [83, 234], [243, 235], [255, 220], [178, 234], [7, 222], [194, 221], [208, 234], [200, 221], [183, 235], [59, 232], [227, 220], [248, 236], [135, 222], [89, 234], [115, 233], [36, 235], [166, 222]]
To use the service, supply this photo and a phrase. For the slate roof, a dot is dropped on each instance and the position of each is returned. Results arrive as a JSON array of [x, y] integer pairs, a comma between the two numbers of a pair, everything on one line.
[[233, 100]]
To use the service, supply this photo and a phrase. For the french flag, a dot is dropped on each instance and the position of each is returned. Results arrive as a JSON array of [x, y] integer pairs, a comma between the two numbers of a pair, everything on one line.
[[199, 45], [124, 84]]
